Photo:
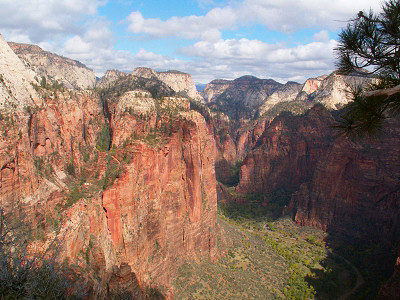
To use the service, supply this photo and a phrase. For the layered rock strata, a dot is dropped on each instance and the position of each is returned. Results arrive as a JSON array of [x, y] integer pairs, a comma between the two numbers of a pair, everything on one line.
[[109, 77], [70, 73], [126, 181], [178, 81]]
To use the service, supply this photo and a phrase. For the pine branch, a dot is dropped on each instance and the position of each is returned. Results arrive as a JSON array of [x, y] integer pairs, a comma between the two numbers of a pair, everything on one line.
[[383, 92]]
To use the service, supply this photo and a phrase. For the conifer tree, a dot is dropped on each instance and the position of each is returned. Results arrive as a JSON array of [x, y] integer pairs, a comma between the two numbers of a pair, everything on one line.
[[370, 45]]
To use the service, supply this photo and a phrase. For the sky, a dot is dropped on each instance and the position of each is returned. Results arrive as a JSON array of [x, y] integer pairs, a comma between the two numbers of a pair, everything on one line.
[[286, 40]]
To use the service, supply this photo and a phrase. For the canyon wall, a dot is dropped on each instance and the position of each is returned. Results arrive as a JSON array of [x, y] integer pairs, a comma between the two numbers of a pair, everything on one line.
[[126, 182], [346, 187]]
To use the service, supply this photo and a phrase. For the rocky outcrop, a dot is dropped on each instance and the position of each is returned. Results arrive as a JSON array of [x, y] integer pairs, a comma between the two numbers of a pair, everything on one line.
[[127, 182], [287, 152], [286, 93], [16, 90], [70, 73], [162, 209], [178, 81], [334, 90], [243, 97], [215, 88], [312, 84], [109, 77]]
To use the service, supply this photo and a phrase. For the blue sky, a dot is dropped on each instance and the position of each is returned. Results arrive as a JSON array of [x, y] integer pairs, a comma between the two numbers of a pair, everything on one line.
[[209, 39]]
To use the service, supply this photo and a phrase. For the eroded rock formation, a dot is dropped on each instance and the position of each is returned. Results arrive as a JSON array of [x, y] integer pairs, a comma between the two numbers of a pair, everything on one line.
[[109, 77], [70, 73], [126, 181], [178, 81]]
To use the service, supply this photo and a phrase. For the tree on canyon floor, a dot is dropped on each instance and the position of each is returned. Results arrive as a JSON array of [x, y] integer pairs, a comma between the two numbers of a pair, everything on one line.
[[370, 45]]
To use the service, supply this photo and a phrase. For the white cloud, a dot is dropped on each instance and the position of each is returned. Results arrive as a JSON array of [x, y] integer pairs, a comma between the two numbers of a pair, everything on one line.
[[73, 29], [290, 15], [190, 27], [285, 16], [243, 56], [35, 21], [321, 36]]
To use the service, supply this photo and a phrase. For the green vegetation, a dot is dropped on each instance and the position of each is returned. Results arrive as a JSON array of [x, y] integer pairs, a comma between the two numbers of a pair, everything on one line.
[[201, 108], [294, 107], [43, 166], [75, 195], [24, 275], [104, 139], [257, 207], [268, 257], [157, 88], [234, 175], [113, 172], [369, 45]]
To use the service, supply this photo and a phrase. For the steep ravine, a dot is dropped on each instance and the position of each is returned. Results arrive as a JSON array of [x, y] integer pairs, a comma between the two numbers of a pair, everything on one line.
[[347, 188], [125, 176]]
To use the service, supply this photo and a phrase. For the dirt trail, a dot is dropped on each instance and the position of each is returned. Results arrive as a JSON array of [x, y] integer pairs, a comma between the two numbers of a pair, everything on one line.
[[359, 282]]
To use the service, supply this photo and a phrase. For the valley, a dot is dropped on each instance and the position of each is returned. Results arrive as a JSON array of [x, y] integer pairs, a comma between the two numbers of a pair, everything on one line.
[[155, 190]]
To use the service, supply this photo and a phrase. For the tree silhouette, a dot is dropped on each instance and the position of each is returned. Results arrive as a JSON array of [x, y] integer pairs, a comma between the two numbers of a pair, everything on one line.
[[370, 45]]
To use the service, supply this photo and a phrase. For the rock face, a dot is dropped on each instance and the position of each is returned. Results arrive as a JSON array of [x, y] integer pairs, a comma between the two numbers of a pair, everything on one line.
[[109, 77], [349, 189], [241, 105], [354, 182], [178, 81], [215, 88], [286, 93], [128, 215], [333, 90], [240, 98], [287, 152], [70, 73], [16, 90], [312, 84]]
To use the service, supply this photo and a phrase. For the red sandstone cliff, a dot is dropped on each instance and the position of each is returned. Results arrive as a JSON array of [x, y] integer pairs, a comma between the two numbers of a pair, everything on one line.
[[347, 188], [130, 214], [287, 152]]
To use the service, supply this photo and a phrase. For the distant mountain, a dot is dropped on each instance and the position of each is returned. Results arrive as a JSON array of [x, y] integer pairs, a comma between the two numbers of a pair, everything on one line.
[[178, 81], [249, 97], [109, 77], [70, 73]]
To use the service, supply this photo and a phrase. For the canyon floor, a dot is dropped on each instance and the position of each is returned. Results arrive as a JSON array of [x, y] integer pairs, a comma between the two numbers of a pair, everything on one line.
[[268, 257]]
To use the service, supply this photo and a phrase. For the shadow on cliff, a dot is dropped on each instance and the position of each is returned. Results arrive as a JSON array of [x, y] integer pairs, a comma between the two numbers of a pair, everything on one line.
[[256, 207], [361, 251], [124, 285]]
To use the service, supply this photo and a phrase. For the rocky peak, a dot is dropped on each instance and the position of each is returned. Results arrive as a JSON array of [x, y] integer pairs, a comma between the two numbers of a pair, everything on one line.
[[313, 84], [70, 73], [144, 72], [285, 93], [109, 77], [178, 81], [333, 91], [215, 88], [240, 98]]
